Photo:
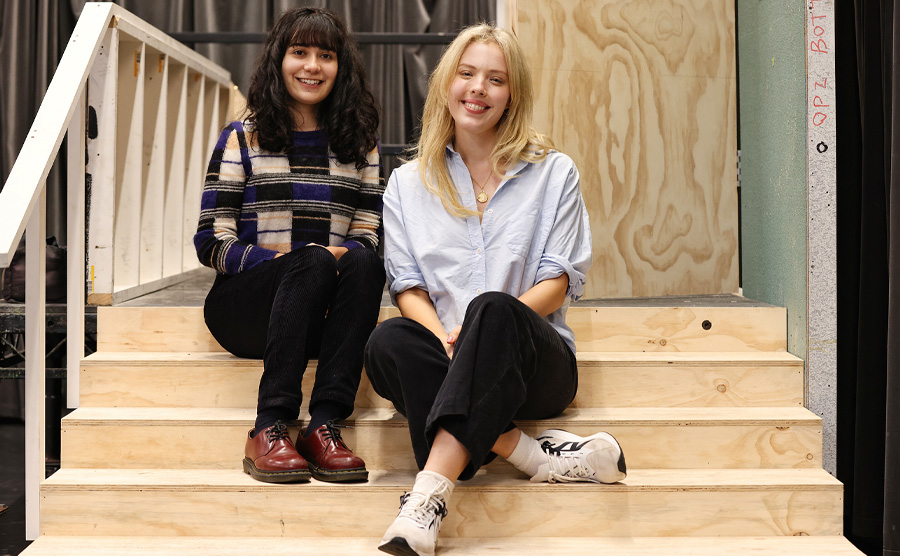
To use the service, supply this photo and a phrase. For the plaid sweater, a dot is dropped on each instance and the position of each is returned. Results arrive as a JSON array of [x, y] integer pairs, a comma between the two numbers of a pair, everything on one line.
[[256, 203]]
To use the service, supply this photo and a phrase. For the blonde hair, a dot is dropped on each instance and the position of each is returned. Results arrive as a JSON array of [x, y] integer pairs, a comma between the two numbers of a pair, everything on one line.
[[516, 139]]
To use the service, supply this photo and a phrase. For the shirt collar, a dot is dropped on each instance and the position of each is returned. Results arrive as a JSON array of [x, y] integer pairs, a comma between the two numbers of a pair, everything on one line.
[[516, 168]]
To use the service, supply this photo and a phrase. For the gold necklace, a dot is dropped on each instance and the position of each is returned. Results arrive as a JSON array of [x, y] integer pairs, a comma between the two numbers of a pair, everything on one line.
[[483, 196]]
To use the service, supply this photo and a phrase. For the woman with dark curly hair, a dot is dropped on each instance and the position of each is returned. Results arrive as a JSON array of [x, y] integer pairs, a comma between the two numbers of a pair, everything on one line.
[[290, 219]]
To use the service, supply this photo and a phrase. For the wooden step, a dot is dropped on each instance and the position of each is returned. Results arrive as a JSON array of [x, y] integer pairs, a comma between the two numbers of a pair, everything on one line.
[[311, 546], [606, 379], [740, 328], [743, 437], [213, 503]]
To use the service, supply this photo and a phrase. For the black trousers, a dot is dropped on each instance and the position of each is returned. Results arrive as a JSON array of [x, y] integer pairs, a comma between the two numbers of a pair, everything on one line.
[[288, 310], [508, 363]]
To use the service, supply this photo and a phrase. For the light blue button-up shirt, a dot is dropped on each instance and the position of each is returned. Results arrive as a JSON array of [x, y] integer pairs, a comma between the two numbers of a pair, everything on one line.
[[535, 227]]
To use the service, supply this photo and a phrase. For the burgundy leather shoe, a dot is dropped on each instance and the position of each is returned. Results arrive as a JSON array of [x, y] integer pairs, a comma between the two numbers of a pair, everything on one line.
[[329, 458], [270, 456]]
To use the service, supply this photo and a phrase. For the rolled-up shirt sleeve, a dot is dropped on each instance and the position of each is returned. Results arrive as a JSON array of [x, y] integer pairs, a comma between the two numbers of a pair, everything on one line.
[[402, 269], [568, 247]]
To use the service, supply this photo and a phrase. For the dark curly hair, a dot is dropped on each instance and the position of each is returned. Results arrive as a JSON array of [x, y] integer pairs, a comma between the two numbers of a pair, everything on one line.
[[349, 114]]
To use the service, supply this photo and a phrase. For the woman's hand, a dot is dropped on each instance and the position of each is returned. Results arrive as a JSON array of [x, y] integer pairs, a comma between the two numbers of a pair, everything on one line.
[[450, 342], [335, 250]]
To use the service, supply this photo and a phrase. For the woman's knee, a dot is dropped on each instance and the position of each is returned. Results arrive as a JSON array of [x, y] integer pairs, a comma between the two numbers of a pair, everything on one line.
[[364, 261], [385, 339], [312, 261], [491, 301], [399, 343]]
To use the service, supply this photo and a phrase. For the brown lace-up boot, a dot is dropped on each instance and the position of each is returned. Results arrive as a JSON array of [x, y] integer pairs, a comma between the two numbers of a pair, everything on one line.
[[329, 457], [270, 456]]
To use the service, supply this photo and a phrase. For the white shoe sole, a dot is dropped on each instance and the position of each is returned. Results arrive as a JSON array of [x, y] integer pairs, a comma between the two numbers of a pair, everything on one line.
[[607, 462]]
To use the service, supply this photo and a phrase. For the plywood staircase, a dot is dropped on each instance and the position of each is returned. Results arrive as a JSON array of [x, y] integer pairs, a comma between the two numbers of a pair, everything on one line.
[[723, 458]]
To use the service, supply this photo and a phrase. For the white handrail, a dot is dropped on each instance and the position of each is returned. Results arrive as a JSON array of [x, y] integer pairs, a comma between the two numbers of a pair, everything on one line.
[[26, 179], [23, 198]]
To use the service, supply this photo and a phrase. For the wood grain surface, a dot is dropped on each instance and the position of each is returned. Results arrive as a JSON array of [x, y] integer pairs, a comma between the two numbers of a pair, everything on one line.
[[642, 95], [669, 502], [357, 546]]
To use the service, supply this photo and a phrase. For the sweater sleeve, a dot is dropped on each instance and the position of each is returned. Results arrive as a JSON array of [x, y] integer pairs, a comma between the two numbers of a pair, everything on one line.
[[365, 225], [216, 240]]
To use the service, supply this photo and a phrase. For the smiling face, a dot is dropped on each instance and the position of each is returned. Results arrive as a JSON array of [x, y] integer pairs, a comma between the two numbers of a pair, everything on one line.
[[309, 73], [479, 92]]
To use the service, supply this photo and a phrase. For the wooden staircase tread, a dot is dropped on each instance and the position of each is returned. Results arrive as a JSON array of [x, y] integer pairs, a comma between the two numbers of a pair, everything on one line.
[[637, 329], [684, 416], [350, 546], [379, 480], [581, 306], [585, 358]]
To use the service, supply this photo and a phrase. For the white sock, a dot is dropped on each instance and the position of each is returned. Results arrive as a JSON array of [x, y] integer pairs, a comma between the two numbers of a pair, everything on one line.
[[431, 482], [528, 456]]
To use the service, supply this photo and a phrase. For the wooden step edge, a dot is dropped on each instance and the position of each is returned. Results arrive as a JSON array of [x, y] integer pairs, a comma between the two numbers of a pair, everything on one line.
[[585, 358], [391, 310], [662, 480], [384, 416], [353, 546], [688, 358]]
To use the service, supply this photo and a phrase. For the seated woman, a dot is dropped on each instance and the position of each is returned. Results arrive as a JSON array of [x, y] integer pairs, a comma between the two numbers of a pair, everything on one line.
[[486, 236], [290, 218]]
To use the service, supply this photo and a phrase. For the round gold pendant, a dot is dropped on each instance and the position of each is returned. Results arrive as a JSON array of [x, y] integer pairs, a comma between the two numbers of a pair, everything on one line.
[[482, 197]]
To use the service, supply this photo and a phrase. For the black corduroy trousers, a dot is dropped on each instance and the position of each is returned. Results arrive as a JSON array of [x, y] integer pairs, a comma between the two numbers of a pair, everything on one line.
[[508, 363], [301, 305]]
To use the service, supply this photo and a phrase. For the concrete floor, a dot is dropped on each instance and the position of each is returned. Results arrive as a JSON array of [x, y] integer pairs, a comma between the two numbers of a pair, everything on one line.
[[12, 487]]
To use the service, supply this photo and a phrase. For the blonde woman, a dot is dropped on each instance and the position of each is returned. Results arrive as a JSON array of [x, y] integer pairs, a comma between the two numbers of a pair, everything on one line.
[[486, 239]]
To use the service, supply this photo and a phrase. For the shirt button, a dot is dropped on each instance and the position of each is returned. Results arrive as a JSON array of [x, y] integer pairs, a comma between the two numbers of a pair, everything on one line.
[[478, 250], [490, 211], [478, 291]]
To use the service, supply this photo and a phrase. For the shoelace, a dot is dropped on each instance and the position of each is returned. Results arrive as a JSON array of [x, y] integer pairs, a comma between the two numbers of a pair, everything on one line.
[[278, 431], [567, 467], [427, 510], [332, 432], [548, 447]]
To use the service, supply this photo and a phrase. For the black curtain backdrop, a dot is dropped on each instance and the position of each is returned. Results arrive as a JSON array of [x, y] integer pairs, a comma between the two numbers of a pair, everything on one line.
[[867, 52], [34, 34]]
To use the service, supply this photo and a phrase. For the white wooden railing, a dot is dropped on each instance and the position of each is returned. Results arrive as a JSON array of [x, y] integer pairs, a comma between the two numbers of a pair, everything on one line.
[[144, 110]]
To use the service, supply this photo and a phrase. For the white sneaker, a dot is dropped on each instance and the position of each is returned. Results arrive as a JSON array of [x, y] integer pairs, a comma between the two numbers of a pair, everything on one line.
[[415, 531], [597, 458]]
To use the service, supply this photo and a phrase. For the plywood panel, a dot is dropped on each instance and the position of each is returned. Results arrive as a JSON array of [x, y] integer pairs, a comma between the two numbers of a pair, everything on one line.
[[698, 438], [642, 96], [129, 166], [176, 145], [102, 154], [195, 170], [665, 329], [212, 502], [214, 379], [153, 178], [609, 379]]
